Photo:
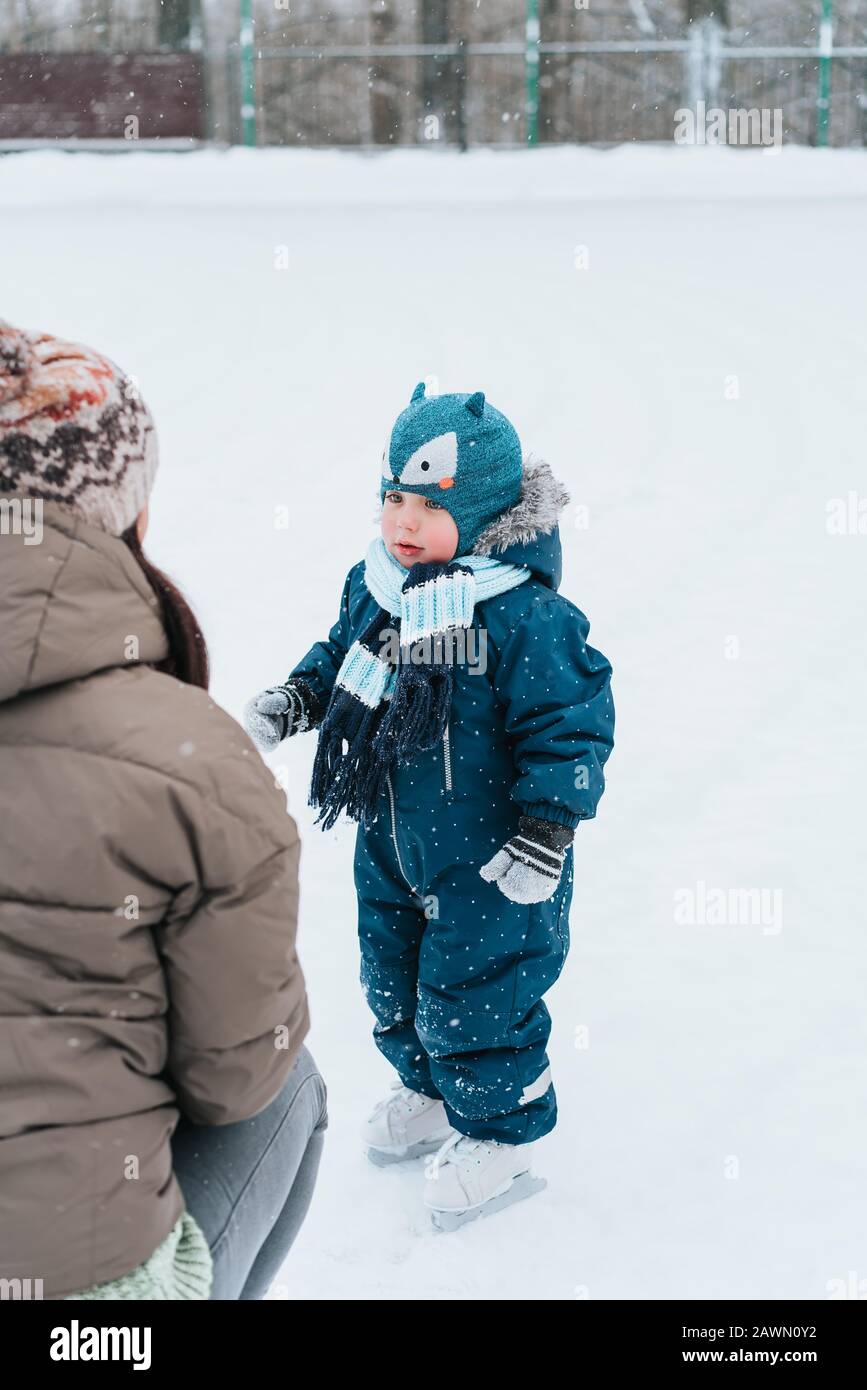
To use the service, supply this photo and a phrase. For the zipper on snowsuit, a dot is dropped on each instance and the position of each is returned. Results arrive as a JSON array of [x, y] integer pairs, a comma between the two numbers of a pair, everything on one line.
[[394, 835], [447, 760]]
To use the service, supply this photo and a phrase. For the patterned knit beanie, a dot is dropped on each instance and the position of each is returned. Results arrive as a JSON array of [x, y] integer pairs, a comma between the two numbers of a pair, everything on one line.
[[460, 451], [73, 429]]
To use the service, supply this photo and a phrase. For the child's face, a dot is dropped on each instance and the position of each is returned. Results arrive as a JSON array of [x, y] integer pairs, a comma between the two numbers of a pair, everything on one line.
[[417, 530]]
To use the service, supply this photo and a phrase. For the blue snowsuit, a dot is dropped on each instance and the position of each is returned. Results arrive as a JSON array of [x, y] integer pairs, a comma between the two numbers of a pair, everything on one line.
[[453, 970]]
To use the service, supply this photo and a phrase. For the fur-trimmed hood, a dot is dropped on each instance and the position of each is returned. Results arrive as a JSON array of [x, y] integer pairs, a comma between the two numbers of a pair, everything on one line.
[[528, 532]]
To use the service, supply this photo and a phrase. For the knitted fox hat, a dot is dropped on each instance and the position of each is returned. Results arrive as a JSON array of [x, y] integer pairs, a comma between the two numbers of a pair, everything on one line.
[[460, 451], [73, 429]]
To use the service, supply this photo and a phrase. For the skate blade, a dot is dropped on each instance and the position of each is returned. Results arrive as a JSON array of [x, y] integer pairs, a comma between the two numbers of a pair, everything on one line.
[[383, 1157], [524, 1185]]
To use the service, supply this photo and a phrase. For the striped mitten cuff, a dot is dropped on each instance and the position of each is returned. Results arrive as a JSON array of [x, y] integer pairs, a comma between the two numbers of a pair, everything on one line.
[[528, 868], [302, 710], [280, 711]]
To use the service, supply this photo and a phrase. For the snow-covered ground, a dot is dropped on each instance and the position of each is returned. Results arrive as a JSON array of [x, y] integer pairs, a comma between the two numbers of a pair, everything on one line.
[[681, 333]]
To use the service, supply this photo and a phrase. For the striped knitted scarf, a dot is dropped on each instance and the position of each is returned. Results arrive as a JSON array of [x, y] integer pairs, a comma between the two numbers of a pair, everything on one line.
[[383, 712]]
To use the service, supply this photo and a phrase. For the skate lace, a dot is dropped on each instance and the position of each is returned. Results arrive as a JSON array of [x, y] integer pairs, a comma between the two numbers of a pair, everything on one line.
[[403, 1099], [461, 1148]]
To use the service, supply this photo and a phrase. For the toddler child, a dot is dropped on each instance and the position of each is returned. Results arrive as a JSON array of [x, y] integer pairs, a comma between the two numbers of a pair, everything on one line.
[[464, 723]]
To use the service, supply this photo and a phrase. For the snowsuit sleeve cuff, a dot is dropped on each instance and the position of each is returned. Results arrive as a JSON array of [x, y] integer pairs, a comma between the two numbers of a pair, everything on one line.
[[544, 810]]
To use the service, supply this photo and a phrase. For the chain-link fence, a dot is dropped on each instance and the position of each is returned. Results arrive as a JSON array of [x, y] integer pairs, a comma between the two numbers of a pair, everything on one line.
[[514, 93], [453, 73]]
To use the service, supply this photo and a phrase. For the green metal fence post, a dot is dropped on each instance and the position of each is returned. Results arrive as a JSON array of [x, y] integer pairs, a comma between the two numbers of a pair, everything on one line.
[[531, 72], [248, 75], [823, 100]]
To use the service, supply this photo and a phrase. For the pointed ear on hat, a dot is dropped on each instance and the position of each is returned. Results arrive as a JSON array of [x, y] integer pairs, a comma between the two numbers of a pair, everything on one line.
[[476, 403], [418, 394]]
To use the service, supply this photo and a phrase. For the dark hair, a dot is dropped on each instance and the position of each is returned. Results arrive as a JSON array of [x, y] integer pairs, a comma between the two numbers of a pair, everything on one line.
[[188, 651]]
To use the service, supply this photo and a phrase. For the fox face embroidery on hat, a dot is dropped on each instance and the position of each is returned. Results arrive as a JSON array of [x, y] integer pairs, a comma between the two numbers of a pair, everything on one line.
[[459, 451]]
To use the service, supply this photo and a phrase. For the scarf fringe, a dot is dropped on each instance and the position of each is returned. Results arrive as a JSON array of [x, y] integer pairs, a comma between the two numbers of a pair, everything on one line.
[[334, 785], [418, 711]]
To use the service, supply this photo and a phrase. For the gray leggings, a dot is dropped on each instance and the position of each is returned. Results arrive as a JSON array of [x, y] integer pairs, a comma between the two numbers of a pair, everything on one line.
[[249, 1184]]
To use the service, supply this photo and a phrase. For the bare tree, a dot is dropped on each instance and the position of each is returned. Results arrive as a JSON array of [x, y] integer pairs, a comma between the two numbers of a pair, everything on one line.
[[384, 107], [177, 21], [708, 9], [436, 96]]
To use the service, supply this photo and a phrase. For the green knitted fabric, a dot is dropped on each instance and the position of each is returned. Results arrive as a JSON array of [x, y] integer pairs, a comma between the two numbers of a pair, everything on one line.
[[180, 1268]]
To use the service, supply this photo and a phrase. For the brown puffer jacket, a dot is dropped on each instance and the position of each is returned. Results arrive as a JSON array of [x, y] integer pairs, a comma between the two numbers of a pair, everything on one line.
[[148, 909]]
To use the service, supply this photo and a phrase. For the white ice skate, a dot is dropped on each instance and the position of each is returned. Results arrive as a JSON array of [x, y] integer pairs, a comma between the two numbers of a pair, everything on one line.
[[475, 1177], [405, 1125]]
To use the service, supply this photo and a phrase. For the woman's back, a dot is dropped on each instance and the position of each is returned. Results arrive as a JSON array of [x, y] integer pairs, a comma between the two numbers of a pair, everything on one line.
[[148, 910]]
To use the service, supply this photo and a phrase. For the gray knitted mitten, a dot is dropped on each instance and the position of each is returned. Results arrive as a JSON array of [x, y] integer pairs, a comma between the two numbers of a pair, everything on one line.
[[281, 711], [528, 868]]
